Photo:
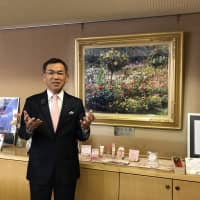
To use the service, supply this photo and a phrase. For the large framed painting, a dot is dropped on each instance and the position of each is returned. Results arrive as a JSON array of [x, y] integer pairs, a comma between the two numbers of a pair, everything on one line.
[[131, 80]]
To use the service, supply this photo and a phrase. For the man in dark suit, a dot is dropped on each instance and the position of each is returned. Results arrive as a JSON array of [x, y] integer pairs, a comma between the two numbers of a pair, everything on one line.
[[53, 156]]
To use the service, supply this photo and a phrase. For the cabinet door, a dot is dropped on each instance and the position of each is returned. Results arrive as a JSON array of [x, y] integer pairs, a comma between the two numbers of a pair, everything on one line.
[[98, 185], [144, 188], [185, 190], [13, 183]]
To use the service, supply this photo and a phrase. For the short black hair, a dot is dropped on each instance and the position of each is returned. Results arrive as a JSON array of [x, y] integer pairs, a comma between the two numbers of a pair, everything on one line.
[[53, 61]]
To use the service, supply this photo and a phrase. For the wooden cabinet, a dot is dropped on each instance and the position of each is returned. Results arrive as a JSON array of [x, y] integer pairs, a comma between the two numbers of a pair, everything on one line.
[[98, 185], [105, 182], [139, 187], [186, 190], [13, 184]]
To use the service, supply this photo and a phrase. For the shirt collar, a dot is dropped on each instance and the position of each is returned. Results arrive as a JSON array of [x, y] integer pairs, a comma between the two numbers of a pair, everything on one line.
[[50, 94]]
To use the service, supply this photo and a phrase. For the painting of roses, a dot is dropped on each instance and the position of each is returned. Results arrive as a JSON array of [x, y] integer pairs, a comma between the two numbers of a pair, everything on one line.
[[129, 79]]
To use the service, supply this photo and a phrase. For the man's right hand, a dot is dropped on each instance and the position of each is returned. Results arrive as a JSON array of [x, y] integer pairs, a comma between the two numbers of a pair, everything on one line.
[[31, 122]]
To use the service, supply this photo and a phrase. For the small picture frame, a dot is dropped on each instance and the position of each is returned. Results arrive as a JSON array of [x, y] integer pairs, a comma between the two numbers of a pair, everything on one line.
[[193, 139], [9, 107], [178, 165], [85, 152], [133, 155]]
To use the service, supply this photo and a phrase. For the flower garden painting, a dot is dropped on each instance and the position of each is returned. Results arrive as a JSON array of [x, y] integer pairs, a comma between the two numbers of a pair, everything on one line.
[[127, 79], [131, 80]]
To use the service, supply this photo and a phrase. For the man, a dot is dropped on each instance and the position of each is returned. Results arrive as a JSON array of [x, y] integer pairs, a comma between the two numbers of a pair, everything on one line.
[[53, 156]]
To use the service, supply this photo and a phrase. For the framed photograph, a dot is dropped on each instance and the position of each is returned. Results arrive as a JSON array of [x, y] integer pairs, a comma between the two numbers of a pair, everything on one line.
[[193, 140], [131, 80], [8, 122]]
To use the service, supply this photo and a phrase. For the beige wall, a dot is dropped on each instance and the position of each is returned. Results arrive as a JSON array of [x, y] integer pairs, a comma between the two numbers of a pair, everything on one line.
[[22, 52]]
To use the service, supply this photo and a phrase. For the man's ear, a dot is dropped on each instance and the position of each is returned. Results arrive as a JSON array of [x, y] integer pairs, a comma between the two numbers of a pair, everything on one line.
[[43, 77], [67, 78]]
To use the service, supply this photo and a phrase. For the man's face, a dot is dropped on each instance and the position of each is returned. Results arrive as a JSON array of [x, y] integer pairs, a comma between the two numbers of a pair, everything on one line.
[[55, 77]]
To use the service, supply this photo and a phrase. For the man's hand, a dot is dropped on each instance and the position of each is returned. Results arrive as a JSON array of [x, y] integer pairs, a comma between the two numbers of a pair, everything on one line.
[[31, 122], [86, 121]]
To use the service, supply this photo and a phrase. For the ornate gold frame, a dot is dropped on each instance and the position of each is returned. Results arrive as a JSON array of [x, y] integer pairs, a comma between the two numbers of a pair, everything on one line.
[[174, 40]]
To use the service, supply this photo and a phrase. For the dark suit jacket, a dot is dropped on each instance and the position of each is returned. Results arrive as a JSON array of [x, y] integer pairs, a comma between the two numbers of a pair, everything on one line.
[[54, 153]]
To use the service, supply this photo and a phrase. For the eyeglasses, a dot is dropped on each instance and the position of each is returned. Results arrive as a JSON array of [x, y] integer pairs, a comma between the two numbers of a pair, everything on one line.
[[52, 72]]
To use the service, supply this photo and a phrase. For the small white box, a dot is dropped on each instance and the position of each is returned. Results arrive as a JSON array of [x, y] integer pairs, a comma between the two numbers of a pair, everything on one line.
[[192, 166]]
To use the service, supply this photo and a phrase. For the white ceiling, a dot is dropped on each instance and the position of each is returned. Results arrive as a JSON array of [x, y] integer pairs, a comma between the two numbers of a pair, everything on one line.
[[22, 13]]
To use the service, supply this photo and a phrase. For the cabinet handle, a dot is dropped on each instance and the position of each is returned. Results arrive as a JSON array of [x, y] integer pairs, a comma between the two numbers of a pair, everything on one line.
[[167, 187], [177, 188]]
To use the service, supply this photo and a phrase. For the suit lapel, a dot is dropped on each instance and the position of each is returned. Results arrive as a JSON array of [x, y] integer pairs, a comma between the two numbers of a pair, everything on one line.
[[67, 106], [45, 110]]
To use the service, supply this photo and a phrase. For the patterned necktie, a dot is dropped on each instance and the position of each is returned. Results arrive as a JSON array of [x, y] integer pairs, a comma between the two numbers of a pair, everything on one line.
[[55, 111]]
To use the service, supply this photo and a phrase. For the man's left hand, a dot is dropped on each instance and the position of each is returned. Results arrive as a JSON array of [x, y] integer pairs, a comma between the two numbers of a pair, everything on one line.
[[87, 120]]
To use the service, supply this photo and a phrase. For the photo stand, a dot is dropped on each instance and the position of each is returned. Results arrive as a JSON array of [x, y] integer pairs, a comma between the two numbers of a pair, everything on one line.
[[193, 140], [9, 107]]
